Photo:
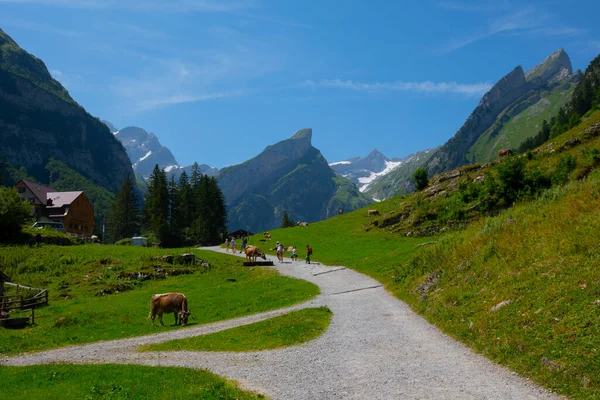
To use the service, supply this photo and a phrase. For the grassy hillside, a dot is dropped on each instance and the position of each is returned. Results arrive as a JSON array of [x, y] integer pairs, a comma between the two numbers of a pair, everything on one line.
[[511, 128], [103, 292], [518, 282]]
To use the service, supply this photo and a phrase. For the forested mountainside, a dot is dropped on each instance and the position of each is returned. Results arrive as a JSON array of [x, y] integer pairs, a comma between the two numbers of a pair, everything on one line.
[[290, 176], [40, 121], [511, 112]]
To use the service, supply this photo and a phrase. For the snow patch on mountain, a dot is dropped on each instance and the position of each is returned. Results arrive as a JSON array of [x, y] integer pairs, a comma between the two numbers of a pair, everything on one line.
[[148, 154], [340, 163], [367, 181]]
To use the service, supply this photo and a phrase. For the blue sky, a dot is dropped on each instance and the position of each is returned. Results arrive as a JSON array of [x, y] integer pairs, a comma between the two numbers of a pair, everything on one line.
[[218, 81]]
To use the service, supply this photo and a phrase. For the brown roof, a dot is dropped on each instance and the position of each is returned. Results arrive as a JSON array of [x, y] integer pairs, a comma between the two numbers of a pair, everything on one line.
[[60, 199], [40, 191]]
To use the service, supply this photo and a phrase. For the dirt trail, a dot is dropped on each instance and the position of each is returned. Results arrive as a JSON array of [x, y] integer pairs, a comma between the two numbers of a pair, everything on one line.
[[375, 348]]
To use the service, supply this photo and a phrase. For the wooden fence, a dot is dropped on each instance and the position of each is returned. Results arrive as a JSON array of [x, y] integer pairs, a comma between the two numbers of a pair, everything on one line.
[[19, 302]]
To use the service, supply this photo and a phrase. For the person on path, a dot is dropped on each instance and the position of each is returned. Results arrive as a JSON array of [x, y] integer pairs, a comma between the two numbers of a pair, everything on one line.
[[244, 242], [233, 245], [280, 252], [227, 245], [294, 254], [308, 254]]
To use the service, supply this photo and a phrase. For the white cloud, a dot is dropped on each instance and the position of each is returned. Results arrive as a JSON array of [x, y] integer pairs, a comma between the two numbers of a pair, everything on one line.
[[184, 98], [474, 89], [528, 21]]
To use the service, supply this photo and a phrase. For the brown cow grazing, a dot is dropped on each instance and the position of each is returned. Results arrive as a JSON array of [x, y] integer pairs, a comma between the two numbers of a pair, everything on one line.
[[167, 303], [505, 153], [252, 252], [372, 212]]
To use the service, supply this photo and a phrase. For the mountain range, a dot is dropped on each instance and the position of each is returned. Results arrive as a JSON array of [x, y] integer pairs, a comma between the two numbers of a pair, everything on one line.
[[39, 122], [145, 151]]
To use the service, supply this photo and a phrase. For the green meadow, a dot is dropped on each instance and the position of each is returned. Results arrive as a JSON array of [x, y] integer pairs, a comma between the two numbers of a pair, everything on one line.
[[290, 329], [116, 382]]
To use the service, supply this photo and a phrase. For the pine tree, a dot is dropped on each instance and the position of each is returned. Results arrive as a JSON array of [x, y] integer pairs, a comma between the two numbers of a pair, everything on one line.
[[124, 220], [156, 208], [182, 213], [286, 222], [174, 229]]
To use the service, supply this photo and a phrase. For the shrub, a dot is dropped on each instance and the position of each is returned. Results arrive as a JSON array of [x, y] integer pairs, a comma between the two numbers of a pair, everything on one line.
[[565, 166], [14, 211], [512, 178], [421, 178], [124, 242]]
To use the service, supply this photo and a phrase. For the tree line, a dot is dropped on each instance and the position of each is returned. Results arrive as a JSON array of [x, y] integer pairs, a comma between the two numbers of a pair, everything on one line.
[[584, 100], [178, 213]]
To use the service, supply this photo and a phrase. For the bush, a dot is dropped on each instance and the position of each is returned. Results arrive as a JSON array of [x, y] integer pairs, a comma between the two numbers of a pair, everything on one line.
[[124, 242], [421, 178], [14, 211], [512, 178], [565, 166]]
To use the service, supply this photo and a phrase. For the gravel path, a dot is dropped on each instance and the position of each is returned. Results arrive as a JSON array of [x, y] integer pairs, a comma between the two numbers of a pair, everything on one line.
[[376, 347]]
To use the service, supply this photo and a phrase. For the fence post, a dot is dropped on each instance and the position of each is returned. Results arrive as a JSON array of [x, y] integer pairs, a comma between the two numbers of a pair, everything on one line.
[[32, 316]]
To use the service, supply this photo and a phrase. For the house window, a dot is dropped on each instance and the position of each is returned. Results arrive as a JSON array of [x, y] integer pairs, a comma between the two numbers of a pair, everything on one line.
[[21, 189]]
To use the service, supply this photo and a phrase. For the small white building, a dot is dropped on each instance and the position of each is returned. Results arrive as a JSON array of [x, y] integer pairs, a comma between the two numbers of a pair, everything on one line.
[[139, 241]]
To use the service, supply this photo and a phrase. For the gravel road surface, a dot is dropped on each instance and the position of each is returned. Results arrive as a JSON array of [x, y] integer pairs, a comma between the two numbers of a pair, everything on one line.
[[375, 348]]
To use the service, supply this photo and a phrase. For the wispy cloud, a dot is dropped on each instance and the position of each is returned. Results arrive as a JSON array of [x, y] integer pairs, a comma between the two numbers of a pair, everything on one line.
[[185, 98], [146, 5], [472, 89], [528, 21]]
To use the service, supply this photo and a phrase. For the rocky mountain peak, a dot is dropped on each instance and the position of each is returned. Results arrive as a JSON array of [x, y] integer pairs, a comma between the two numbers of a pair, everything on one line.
[[554, 68], [305, 133]]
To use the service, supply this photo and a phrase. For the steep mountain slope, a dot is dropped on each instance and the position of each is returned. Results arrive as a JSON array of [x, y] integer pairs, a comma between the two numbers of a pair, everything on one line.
[[486, 131], [398, 181], [39, 121], [290, 176], [145, 151]]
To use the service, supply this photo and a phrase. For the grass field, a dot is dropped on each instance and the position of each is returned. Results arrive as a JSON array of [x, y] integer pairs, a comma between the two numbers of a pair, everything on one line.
[[76, 275], [287, 330], [115, 382]]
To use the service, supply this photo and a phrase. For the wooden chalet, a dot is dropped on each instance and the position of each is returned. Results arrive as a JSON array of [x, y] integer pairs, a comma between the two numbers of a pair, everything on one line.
[[73, 209]]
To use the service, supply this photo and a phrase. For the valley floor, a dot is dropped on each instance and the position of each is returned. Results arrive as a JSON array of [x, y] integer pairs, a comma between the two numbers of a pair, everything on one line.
[[376, 347]]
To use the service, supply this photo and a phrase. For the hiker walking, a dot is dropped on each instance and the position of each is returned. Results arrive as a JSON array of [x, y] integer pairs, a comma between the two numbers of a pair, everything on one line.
[[244, 242], [227, 245], [280, 252], [294, 254], [308, 254], [233, 245]]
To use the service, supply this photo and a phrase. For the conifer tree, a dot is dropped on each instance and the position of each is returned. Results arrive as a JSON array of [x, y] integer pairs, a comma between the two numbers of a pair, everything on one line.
[[287, 222], [124, 220], [156, 208]]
